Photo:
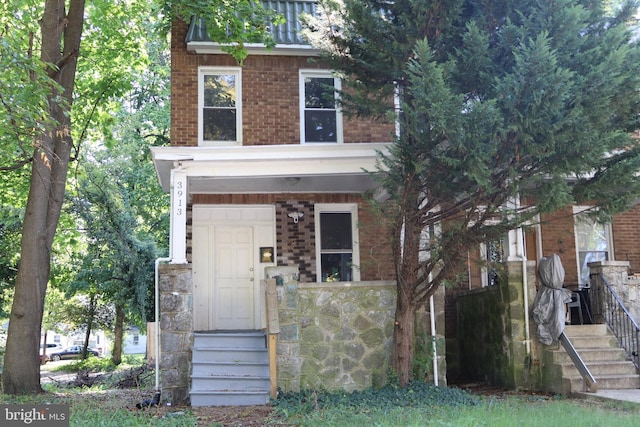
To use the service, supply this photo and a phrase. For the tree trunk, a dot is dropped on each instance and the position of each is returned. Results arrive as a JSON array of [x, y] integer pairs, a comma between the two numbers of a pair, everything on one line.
[[87, 335], [403, 339], [407, 261], [116, 356], [61, 34]]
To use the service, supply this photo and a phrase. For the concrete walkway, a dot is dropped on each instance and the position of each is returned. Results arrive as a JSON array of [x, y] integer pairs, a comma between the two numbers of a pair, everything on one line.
[[625, 395]]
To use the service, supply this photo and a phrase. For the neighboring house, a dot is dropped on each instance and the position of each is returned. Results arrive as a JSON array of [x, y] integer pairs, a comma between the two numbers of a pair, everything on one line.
[[134, 342], [97, 340], [267, 178]]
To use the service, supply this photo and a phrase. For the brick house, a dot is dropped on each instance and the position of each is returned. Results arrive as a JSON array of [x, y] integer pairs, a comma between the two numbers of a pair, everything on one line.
[[266, 173], [267, 178]]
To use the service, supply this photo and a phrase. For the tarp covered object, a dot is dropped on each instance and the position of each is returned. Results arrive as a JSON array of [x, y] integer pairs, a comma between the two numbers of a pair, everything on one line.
[[549, 305]]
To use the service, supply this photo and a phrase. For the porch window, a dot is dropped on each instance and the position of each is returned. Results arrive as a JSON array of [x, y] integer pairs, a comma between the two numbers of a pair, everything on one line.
[[593, 243], [492, 253], [321, 119], [336, 243], [219, 112]]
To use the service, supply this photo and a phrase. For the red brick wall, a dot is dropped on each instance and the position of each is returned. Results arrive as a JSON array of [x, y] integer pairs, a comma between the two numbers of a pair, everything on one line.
[[296, 242], [558, 236], [270, 98], [626, 238]]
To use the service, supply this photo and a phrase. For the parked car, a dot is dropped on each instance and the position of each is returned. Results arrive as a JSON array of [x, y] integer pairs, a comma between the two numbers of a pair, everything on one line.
[[51, 347], [73, 352]]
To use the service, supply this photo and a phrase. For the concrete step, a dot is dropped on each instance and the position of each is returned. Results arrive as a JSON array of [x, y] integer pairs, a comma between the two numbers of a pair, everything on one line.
[[230, 339], [229, 355], [229, 368], [586, 330], [606, 360], [231, 383], [604, 382], [601, 368], [592, 355], [593, 341], [228, 398]]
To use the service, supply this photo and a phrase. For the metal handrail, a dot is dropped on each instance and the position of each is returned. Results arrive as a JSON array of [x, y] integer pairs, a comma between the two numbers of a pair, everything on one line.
[[606, 303], [587, 376]]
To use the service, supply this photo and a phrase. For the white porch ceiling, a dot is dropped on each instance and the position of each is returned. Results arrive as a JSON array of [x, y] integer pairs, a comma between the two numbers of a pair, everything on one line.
[[271, 168]]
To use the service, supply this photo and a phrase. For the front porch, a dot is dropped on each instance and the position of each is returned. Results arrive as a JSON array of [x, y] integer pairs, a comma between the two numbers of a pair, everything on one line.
[[334, 336]]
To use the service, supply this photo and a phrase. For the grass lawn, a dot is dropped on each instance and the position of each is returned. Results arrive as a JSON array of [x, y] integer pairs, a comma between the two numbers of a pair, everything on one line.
[[419, 404], [425, 405]]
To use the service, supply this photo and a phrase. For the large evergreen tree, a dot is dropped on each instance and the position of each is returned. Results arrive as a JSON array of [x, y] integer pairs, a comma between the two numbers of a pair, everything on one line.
[[507, 109]]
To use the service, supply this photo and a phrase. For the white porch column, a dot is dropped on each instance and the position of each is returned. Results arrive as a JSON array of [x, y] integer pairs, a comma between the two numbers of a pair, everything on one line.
[[178, 238], [515, 244]]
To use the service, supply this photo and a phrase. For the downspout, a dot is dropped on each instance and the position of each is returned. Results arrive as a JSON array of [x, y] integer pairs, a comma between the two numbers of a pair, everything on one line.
[[157, 315], [525, 289], [433, 341], [157, 290]]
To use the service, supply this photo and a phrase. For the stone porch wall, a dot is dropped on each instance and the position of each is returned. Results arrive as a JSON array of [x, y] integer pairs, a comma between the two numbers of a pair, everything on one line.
[[176, 331], [338, 336], [493, 343], [616, 273], [332, 336]]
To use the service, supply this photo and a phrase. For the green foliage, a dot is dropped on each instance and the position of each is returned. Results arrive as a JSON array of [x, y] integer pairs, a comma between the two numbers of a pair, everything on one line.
[[24, 83], [232, 23], [101, 364], [417, 394], [507, 110], [423, 356], [429, 405]]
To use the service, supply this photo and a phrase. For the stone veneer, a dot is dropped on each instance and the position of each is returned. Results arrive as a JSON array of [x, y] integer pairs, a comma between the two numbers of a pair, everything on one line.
[[176, 331], [616, 273], [494, 344], [333, 336], [338, 336]]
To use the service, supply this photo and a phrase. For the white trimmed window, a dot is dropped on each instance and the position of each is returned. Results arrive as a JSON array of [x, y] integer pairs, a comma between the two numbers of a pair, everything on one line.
[[593, 242], [337, 251], [219, 106], [320, 116]]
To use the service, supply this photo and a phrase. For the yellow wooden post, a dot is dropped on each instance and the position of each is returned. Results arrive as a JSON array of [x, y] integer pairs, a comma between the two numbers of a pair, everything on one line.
[[273, 328], [272, 366]]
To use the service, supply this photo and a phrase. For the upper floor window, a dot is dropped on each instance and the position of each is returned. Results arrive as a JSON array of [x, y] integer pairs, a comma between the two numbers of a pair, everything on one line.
[[593, 243], [219, 106], [337, 251], [321, 119]]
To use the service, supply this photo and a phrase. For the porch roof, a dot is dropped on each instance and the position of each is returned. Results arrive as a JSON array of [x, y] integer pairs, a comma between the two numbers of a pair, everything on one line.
[[341, 168]]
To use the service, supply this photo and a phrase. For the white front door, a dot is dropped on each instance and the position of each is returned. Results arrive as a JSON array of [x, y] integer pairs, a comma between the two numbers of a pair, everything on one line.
[[233, 278], [227, 268]]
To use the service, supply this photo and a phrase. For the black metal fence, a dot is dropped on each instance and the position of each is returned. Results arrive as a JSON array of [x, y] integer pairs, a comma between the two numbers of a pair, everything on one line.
[[606, 304]]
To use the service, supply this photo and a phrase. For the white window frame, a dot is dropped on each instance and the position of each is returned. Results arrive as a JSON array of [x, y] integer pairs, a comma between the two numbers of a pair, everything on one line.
[[207, 71], [323, 74], [351, 208], [577, 211]]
